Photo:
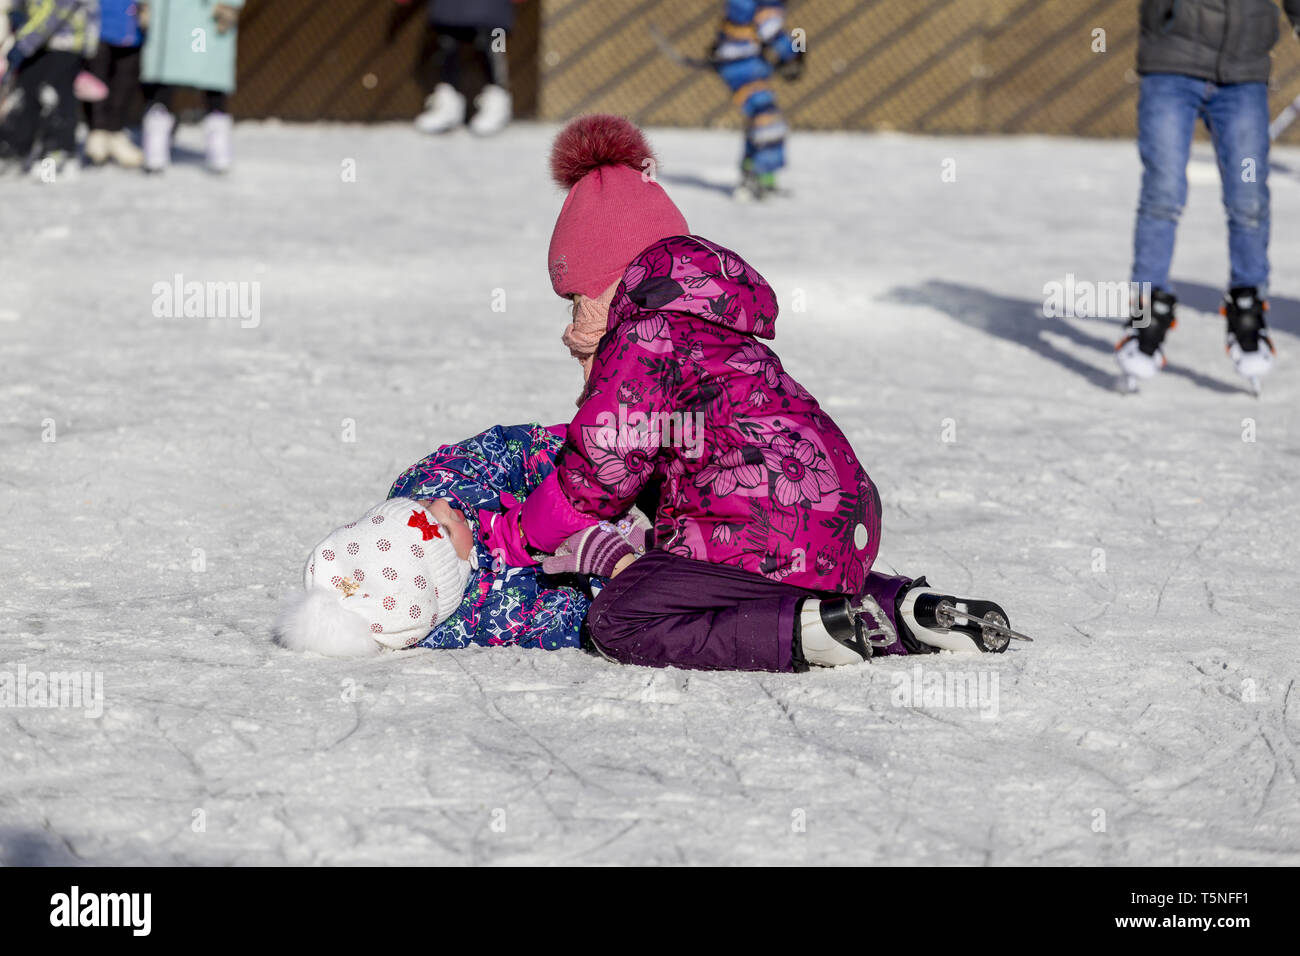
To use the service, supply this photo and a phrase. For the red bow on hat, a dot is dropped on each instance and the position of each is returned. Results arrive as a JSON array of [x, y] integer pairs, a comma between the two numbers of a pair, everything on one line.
[[420, 520]]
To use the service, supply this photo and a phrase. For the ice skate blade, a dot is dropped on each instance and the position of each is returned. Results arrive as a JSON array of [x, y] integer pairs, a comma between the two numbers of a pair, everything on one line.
[[990, 621]]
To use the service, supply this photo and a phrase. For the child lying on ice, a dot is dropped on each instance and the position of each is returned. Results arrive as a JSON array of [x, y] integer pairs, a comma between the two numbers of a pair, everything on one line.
[[415, 572]]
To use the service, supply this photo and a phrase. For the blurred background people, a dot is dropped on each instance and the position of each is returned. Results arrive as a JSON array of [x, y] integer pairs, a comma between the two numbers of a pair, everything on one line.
[[1205, 60], [50, 39], [467, 29], [117, 64], [753, 43], [189, 43]]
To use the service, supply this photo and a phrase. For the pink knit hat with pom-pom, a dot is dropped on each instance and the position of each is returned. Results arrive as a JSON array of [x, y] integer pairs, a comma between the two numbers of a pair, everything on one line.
[[614, 209]]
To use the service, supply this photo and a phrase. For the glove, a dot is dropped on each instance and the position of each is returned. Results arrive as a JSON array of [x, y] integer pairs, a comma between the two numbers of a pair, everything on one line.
[[636, 528], [226, 17], [596, 551], [791, 69]]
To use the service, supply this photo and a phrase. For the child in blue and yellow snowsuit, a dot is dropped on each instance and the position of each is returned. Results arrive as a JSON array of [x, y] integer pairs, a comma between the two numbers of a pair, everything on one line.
[[753, 43]]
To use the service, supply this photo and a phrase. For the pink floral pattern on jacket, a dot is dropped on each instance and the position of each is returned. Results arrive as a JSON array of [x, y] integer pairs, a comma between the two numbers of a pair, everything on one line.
[[683, 389]]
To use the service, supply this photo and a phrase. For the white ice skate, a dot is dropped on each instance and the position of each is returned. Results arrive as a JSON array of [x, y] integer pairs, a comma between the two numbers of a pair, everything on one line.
[[841, 632], [1136, 365], [494, 109], [157, 128], [955, 624], [219, 140], [444, 110]]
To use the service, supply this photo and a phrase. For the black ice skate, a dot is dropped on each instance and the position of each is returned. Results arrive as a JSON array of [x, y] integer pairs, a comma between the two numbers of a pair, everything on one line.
[[1248, 343], [954, 624], [1140, 352]]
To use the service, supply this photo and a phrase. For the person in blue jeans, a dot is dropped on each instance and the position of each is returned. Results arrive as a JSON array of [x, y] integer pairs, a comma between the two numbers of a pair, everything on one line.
[[1204, 60]]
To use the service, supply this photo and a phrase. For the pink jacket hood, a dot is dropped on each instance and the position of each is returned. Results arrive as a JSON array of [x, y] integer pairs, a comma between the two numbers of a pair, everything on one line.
[[699, 279]]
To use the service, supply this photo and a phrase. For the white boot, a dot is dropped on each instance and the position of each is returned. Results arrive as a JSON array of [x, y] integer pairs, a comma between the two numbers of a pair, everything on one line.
[[97, 147], [157, 127], [444, 110], [122, 151], [493, 111], [218, 129], [830, 643]]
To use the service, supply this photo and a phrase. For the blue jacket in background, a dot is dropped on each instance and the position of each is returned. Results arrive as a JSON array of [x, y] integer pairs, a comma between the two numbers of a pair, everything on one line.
[[118, 24], [503, 605]]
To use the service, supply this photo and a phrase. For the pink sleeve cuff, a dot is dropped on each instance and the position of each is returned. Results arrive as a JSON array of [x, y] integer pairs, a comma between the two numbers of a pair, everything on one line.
[[548, 516], [500, 532]]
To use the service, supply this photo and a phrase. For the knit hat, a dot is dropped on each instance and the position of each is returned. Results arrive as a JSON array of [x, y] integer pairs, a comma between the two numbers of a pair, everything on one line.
[[614, 209], [389, 577]]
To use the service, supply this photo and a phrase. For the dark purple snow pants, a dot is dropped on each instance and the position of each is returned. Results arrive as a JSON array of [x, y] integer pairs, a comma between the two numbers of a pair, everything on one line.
[[666, 610]]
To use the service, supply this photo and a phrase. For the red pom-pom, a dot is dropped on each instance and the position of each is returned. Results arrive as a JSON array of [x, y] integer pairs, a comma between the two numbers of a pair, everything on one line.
[[590, 142]]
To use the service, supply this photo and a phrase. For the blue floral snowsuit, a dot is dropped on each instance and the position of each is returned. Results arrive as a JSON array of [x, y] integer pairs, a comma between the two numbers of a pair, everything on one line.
[[503, 605]]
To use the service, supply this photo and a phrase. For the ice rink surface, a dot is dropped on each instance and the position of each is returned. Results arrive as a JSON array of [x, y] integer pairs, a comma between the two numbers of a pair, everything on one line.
[[1148, 542]]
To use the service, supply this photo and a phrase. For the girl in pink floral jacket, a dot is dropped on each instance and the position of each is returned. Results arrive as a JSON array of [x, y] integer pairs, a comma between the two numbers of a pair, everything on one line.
[[766, 524]]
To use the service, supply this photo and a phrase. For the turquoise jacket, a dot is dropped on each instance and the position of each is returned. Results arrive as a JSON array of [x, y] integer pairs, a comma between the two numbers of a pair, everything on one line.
[[183, 48]]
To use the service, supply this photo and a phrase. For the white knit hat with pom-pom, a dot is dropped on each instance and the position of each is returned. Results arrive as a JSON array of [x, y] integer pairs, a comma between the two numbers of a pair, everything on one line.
[[388, 578]]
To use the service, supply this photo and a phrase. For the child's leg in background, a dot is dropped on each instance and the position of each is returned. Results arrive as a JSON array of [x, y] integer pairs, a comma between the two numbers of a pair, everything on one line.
[[667, 610], [218, 132], [215, 101], [493, 107], [56, 69], [450, 43], [494, 63], [446, 106], [120, 67], [1238, 117], [158, 94], [158, 126]]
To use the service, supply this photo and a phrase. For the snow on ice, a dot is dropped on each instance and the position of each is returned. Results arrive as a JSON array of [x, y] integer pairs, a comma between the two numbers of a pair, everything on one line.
[[163, 477]]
